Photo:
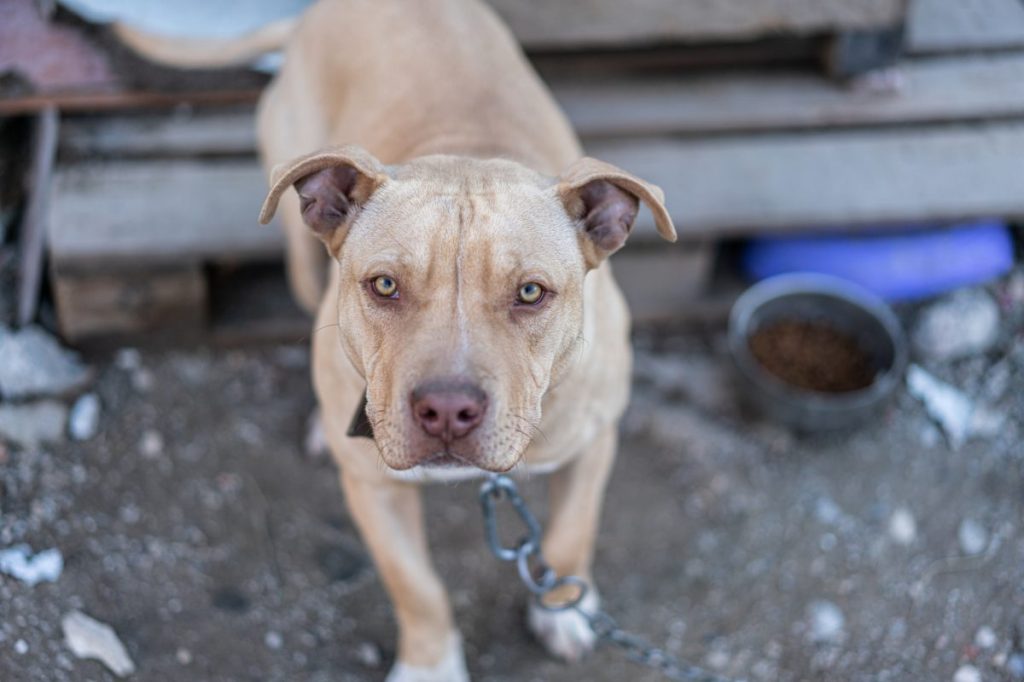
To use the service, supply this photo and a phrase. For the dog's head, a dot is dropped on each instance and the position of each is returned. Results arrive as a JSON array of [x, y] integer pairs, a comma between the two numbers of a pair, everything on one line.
[[461, 296]]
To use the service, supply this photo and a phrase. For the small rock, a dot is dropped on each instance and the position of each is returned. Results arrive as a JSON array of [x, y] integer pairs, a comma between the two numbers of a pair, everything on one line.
[[273, 640], [902, 526], [967, 673], [1015, 666], [964, 323], [826, 622], [316, 439], [152, 444], [142, 380], [19, 563], [89, 638], [985, 637], [184, 656], [33, 424], [128, 359], [84, 419], [21, 647], [33, 364], [826, 511], [369, 655], [973, 537], [950, 407], [718, 659]]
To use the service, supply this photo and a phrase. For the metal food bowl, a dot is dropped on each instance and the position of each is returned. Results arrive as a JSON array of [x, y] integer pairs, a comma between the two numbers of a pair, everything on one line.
[[840, 304]]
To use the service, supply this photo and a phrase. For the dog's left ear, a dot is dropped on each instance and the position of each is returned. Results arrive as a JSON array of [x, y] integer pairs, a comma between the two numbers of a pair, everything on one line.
[[605, 199], [332, 184]]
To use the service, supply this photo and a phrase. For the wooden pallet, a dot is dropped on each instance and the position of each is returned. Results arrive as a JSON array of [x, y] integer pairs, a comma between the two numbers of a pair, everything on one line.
[[175, 194], [542, 24]]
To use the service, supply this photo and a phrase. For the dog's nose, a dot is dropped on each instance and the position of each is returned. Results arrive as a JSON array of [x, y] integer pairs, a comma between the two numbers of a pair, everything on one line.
[[448, 410]]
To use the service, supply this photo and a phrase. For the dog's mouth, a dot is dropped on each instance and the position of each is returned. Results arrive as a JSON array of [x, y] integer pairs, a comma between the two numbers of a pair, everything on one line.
[[447, 459]]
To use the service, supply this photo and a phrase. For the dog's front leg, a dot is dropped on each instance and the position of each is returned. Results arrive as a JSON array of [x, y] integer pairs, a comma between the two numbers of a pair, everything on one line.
[[390, 518], [576, 491]]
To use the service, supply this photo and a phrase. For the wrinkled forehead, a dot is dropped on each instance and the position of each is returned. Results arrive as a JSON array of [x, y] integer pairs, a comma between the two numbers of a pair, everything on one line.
[[511, 218]]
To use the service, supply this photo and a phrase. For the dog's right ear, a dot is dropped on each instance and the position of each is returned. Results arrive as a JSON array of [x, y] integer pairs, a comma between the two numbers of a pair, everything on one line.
[[332, 185]]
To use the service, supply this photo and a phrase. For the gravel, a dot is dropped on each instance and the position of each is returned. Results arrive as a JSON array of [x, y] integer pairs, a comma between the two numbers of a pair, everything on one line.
[[719, 533]]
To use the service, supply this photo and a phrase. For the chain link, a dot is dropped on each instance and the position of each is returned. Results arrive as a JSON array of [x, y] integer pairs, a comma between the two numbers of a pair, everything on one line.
[[541, 580]]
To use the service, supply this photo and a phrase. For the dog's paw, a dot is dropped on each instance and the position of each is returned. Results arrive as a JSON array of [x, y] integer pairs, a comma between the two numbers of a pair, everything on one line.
[[565, 634], [452, 667]]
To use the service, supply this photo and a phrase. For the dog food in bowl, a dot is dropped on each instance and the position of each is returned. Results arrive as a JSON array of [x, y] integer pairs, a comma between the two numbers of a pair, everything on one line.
[[815, 352], [812, 355]]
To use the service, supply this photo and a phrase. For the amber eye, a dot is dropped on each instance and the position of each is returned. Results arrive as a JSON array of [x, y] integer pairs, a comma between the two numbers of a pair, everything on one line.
[[531, 293], [385, 286]]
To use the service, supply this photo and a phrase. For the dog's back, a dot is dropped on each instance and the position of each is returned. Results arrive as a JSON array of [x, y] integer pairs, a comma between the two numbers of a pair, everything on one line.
[[446, 75]]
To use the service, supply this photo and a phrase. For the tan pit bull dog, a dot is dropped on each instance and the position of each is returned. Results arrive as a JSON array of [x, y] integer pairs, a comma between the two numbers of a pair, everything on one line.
[[468, 295]]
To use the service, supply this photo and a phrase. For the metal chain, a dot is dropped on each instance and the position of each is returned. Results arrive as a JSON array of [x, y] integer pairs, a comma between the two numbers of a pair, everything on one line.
[[540, 579]]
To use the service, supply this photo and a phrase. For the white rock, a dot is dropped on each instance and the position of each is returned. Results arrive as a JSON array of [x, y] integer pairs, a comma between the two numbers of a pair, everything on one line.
[[973, 537], [32, 363], [152, 444], [315, 445], [33, 424], [21, 647], [967, 673], [985, 637], [945, 404], [19, 563], [964, 323], [89, 638], [902, 526], [184, 656], [826, 622], [368, 654], [273, 640], [128, 359], [84, 419]]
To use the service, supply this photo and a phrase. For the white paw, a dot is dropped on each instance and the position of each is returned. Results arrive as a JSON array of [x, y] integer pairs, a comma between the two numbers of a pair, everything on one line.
[[452, 667], [565, 634]]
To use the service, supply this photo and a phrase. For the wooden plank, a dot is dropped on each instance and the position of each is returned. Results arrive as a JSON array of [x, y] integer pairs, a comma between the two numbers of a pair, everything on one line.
[[773, 183], [112, 301], [962, 25], [192, 132], [180, 210], [942, 89], [107, 100], [563, 25], [170, 211], [935, 89]]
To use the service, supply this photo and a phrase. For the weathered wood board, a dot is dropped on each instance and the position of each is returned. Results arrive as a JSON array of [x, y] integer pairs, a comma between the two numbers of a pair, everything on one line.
[[941, 89], [159, 211], [745, 185], [936, 89], [965, 25], [586, 23], [120, 301], [728, 185]]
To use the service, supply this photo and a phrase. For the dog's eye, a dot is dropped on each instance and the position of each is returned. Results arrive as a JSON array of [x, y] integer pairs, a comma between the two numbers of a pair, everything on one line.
[[531, 293], [385, 286]]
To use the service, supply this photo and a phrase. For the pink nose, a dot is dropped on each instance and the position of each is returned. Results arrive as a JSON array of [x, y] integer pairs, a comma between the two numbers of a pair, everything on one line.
[[448, 410]]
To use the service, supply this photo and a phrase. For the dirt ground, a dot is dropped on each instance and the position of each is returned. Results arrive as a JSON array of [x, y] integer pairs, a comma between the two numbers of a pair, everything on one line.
[[195, 525]]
